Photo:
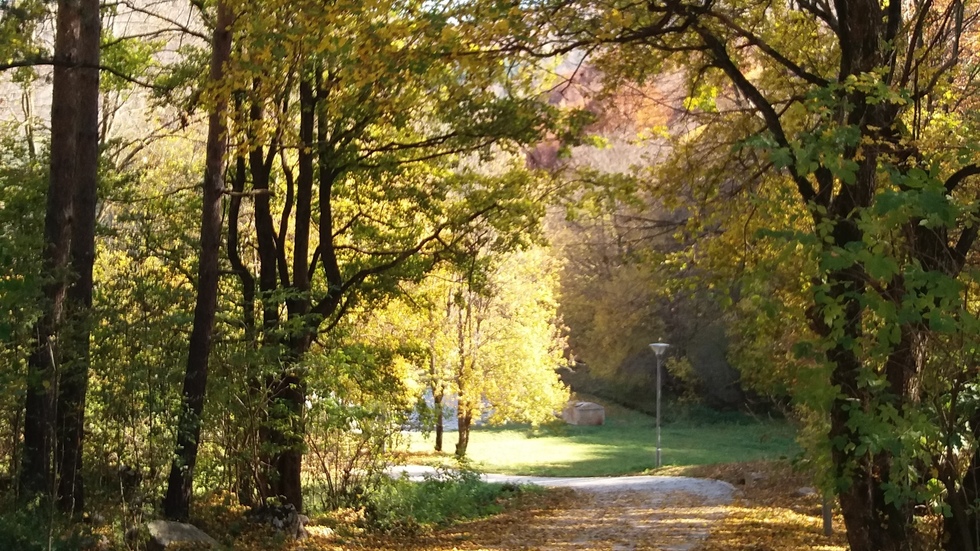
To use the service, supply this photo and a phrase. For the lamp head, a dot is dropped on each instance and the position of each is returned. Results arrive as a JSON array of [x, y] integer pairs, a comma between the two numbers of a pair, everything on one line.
[[659, 348]]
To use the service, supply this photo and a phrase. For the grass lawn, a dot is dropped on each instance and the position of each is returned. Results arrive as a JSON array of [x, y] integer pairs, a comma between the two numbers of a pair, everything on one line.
[[626, 444]]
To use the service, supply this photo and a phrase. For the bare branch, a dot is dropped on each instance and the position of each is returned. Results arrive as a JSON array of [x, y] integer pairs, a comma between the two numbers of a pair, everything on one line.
[[957, 177], [50, 62], [770, 51]]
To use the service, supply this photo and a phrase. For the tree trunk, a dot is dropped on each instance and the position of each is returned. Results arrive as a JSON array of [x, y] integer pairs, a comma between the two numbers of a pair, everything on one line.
[[180, 483], [440, 418], [235, 258], [465, 419], [35, 474], [73, 381], [873, 522], [289, 396], [246, 484], [288, 393]]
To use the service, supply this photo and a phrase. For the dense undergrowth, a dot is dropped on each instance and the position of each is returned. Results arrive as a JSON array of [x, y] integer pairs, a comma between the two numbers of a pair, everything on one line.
[[393, 508], [403, 506], [37, 529]]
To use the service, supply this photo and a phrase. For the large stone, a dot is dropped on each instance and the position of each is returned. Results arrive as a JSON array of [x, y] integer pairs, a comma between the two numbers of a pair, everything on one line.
[[165, 533], [584, 413], [805, 491], [283, 519]]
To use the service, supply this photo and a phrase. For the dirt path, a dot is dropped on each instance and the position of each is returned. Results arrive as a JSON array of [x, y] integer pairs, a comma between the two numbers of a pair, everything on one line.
[[616, 514]]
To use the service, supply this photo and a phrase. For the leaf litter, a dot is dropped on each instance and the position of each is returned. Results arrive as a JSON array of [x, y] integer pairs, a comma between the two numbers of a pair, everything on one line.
[[768, 513]]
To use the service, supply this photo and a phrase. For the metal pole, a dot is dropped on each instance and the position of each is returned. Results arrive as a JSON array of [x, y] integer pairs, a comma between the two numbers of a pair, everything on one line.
[[658, 348], [658, 411]]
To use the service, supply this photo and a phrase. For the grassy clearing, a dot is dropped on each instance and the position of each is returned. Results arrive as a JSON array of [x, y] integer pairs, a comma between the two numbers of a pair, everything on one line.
[[626, 444]]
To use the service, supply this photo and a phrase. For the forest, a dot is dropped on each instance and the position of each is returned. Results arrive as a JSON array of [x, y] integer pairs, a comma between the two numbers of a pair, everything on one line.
[[244, 245]]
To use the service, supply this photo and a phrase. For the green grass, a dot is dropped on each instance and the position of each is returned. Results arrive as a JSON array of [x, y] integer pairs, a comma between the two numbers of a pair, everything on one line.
[[625, 445]]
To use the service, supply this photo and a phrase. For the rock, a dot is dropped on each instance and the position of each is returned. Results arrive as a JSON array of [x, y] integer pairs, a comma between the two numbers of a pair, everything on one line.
[[164, 533], [283, 519], [805, 491], [95, 519], [750, 479], [301, 533]]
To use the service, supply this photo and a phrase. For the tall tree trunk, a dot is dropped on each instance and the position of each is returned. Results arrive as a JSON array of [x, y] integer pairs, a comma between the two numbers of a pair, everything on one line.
[[35, 474], [273, 271], [180, 483], [287, 392], [874, 523], [73, 381], [246, 484]]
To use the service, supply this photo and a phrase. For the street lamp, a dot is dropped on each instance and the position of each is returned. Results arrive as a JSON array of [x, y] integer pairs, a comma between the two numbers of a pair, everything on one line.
[[658, 348]]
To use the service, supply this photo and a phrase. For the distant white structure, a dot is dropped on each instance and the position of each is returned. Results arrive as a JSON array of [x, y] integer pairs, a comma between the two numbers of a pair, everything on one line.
[[450, 410]]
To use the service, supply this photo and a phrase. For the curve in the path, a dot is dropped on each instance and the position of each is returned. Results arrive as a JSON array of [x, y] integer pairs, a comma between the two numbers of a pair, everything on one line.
[[676, 511], [714, 490]]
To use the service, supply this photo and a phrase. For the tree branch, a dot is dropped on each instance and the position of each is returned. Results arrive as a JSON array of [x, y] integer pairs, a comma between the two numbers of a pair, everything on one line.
[[724, 62], [50, 62], [754, 40], [957, 177]]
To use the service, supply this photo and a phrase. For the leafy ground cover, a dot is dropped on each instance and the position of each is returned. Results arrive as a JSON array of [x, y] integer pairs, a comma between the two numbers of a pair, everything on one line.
[[768, 514], [626, 444]]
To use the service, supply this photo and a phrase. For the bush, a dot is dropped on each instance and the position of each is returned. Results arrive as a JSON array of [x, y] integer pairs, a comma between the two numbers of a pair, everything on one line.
[[403, 506], [29, 529]]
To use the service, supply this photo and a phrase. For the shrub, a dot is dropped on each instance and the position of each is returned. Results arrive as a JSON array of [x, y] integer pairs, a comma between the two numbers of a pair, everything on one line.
[[30, 529], [403, 506]]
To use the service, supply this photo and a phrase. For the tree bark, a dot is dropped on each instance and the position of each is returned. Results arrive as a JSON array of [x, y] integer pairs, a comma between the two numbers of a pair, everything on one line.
[[465, 419], [289, 395], [36, 476], [180, 483], [440, 418], [73, 382]]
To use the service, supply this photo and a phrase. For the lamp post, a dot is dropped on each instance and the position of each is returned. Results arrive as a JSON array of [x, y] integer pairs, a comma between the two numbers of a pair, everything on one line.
[[658, 348]]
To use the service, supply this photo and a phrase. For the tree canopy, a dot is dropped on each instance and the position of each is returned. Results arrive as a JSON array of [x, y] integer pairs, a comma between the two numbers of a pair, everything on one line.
[[342, 188], [842, 134]]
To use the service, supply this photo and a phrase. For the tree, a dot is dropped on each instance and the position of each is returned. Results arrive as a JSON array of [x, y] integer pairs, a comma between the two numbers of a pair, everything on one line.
[[181, 481], [347, 147], [36, 476], [863, 109], [489, 335], [506, 342], [73, 380]]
